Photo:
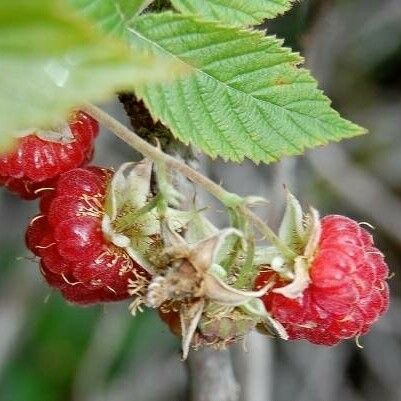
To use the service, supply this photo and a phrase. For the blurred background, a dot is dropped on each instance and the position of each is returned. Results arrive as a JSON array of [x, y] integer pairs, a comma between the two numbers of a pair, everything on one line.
[[51, 351]]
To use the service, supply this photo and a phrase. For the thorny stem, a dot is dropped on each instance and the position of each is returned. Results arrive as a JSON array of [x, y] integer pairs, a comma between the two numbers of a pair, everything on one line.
[[229, 199]]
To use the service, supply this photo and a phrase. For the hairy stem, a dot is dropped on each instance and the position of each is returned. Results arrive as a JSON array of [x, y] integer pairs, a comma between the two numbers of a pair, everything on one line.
[[229, 199]]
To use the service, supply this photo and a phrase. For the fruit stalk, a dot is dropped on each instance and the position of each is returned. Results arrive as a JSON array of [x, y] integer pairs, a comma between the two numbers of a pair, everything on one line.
[[229, 199]]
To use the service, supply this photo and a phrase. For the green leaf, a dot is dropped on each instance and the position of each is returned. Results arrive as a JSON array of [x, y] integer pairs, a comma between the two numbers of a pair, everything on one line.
[[111, 15], [246, 96], [234, 12], [52, 60]]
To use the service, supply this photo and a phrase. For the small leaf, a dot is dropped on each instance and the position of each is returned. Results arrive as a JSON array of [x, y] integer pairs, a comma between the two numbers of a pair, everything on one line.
[[234, 12], [246, 96]]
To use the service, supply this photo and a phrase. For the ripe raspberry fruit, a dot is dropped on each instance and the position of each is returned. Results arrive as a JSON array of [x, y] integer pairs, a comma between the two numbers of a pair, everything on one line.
[[40, 157], [347, 292], [76, 257]]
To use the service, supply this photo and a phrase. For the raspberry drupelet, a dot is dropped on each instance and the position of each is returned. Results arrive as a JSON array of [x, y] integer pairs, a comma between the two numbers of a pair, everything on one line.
[[347, 292], [75, 257], [38, 158]]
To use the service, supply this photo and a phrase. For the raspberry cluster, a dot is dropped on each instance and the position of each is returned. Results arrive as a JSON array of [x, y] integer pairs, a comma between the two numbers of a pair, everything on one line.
[[101, 236], [347, 292], [35, 162], [76, 258]]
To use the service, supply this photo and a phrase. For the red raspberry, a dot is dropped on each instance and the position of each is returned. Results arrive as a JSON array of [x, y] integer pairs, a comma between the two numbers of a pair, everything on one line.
[[348, 291], [35, 162], [76, 258]]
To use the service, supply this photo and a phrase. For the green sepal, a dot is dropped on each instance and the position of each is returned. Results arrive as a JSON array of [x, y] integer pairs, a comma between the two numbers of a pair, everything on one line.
[[256, 307], [292, 231], [132, 220]]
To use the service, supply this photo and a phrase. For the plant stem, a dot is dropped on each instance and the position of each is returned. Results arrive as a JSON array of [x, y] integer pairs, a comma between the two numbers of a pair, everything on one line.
[[229, 199], [213, 368]]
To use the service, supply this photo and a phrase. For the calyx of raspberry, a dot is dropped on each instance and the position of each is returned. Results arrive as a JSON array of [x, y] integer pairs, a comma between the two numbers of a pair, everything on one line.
[[193, 273], [133, 219], [196, 284], [300, 233]]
